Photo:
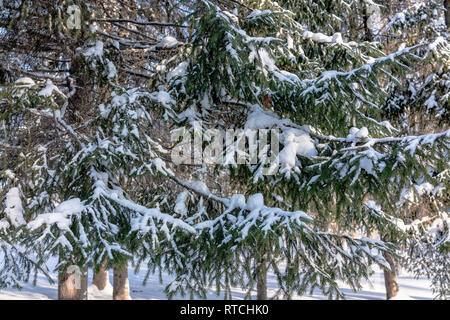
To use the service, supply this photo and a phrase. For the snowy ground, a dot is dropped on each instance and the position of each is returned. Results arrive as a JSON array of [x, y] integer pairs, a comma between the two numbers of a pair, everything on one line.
[[410, 289]]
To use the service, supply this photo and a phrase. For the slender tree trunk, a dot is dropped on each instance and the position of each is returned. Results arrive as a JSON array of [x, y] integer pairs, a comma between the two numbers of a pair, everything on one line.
[[73, 284], [366, 16], [121, 287], [390, 278], [261, 286], [353, 25], [447, 13], [101, 277]]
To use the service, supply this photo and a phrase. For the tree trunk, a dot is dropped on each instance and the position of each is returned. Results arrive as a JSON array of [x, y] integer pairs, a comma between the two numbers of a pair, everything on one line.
[[366, 16], [261, 286], [390, 278], [73, 284], [447, 13], [101, 277], [121, 287]]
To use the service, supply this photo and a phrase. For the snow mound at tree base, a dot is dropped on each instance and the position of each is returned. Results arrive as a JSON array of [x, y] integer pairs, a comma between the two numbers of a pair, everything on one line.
[[95, 294]]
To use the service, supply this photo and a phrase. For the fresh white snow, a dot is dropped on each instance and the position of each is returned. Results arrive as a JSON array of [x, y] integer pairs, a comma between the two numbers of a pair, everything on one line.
[[13, 207], [61, 215], [49, 89], [168, 43], [256, 201], [24, 82]]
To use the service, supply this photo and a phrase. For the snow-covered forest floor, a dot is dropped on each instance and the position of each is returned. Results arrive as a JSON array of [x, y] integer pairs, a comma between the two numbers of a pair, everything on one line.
[[410, 289]]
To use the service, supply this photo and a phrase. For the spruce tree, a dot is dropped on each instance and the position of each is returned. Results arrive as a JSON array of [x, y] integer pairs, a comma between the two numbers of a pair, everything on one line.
[[271, 65]]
